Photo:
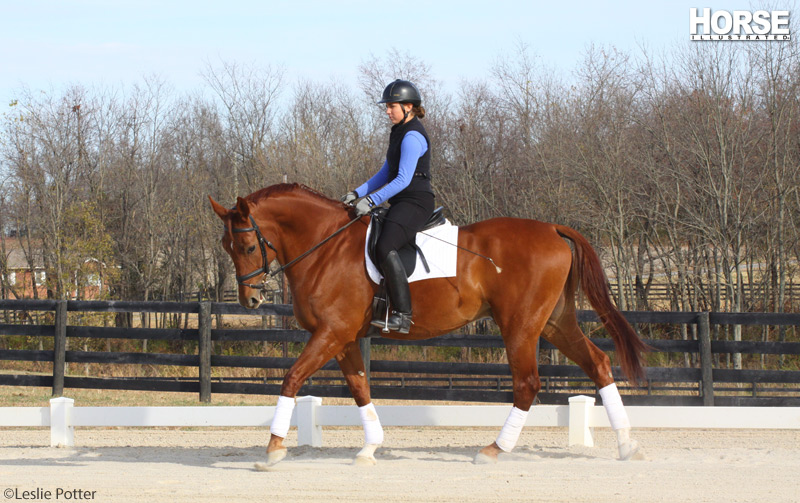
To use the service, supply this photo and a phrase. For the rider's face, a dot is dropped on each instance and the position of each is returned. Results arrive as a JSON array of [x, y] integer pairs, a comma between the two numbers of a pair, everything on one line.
[[395, 111]]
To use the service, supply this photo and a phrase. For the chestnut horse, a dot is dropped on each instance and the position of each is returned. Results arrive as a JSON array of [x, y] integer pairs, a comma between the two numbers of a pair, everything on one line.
[[533, 295]]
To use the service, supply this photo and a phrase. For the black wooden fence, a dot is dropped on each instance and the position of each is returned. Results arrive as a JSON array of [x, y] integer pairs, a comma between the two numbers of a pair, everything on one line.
[[703, 382]]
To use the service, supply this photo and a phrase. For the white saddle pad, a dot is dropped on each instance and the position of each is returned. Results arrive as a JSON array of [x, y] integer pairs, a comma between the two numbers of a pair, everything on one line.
[[438, 246]]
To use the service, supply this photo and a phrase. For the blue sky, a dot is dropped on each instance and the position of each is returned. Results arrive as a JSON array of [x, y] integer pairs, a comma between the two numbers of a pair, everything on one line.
[[55, 43]]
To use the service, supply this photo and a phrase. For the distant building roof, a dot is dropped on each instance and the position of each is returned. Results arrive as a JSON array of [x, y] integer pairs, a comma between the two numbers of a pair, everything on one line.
[[15, 258]]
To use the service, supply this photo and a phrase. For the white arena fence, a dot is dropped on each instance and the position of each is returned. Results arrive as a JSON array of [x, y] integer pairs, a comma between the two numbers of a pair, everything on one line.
[[310, 416]]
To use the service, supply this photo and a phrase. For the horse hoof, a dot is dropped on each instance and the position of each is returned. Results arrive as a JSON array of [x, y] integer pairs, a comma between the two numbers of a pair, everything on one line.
[[365, 461], [366, 456], [483, 459], [630, 450], [273, 458]]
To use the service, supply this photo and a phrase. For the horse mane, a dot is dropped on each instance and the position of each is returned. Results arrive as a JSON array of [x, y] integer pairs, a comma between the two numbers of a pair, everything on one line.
[[283, 188]]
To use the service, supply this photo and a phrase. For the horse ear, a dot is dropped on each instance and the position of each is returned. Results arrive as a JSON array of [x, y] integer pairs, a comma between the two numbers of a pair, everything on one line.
[[220, 210], [243, 208]]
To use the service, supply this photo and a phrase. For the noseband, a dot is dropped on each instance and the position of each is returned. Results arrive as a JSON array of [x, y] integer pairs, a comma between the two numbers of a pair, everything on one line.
[[264, 269]]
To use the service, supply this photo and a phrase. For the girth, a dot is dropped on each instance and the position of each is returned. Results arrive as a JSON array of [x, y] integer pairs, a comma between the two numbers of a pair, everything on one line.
[[408, 253]]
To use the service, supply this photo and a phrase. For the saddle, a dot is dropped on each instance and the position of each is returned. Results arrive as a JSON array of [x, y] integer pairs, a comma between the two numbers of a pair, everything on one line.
[[408, 253], [408, 256]]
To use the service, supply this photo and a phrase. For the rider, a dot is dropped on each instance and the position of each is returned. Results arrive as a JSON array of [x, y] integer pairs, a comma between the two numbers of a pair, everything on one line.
[[404, 181]]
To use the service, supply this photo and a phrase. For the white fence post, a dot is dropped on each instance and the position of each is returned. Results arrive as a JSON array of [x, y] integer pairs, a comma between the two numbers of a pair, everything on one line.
[[62, 432], [579, 431], [309, 431]]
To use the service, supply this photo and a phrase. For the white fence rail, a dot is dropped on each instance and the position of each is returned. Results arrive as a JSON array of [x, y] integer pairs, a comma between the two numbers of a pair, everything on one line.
[[310, 416]]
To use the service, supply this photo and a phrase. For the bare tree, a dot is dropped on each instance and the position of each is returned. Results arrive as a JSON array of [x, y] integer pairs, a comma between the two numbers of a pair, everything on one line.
[[247, 95]]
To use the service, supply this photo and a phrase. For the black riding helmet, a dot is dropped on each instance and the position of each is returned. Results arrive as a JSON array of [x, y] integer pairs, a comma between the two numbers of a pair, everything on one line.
[[401, 91]]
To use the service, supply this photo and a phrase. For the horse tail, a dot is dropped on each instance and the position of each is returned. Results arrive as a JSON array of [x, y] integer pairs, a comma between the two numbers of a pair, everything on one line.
[[586, 266]]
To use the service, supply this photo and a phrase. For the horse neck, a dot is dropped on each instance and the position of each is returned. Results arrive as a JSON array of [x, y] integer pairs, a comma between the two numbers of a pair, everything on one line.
[[299, 221]]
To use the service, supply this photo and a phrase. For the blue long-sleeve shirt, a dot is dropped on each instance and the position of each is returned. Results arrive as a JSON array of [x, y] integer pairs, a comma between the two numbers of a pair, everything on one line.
[[379, 187]]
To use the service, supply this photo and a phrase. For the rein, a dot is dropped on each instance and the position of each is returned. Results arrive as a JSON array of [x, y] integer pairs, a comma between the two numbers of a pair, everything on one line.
[[264, 269]]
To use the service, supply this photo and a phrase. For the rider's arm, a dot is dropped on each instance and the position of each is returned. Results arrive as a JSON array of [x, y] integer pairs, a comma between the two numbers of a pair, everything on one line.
[[412, 148], [377, 181]]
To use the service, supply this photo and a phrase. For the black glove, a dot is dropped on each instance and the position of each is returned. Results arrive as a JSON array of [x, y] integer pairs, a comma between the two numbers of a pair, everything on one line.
[[364, 206], [349, 198]]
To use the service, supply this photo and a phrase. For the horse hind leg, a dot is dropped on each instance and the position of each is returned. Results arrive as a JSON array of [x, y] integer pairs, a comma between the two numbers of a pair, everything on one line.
[[522, 360], [565, 334]]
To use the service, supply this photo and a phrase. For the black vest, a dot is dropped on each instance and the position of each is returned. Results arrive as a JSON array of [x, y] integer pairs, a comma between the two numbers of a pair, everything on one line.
[[421, 181]]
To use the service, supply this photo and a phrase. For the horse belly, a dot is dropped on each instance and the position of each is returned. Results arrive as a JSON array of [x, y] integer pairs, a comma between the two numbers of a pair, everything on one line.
[[442, 305]]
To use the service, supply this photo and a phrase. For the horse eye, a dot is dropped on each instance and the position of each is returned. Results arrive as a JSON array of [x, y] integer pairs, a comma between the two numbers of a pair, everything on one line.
[[251, 249]]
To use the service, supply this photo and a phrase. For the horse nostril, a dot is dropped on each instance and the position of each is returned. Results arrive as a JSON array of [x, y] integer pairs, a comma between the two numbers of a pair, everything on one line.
[[253, 301]]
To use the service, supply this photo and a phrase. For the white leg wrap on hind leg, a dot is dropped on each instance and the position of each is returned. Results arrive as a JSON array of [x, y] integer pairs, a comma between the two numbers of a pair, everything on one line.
[[373, 431], [508, 436], [613, 405], [619, 421], [283, 417]]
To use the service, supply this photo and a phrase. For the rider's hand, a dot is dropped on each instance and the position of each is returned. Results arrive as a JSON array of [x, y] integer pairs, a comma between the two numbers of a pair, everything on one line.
[[364, 206], [349, 198]]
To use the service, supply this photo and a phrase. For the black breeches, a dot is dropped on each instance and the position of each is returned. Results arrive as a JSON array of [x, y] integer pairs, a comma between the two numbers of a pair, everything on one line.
[[404, 219]]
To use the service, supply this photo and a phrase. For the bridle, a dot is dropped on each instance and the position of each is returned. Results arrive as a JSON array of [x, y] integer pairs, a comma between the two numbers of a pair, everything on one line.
[[263, 243], [264, 269]]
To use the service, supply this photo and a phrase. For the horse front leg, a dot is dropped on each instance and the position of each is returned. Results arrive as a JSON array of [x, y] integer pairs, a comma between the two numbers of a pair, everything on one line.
[[352, 364], [321, 347]]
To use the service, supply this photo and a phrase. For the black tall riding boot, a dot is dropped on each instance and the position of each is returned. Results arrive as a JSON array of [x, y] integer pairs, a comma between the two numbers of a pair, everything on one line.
[[399, 294]]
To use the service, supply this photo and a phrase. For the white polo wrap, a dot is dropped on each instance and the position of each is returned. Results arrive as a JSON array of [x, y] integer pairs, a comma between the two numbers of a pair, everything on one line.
[[508, 436], [613, 405], [373, 431], [283, 417]]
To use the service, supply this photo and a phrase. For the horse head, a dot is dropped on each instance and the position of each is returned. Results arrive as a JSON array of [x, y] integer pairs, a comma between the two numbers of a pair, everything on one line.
[[248, 247], [293, 216]]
